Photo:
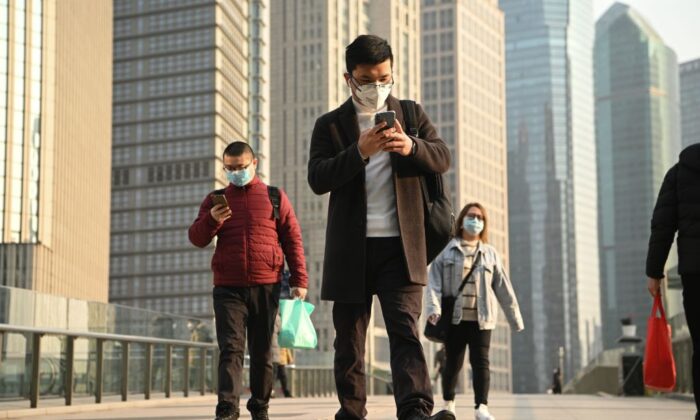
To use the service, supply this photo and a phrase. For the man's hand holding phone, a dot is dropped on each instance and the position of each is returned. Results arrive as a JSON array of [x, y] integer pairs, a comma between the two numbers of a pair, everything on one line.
[[220, 212], [372, 140], [398, 141]]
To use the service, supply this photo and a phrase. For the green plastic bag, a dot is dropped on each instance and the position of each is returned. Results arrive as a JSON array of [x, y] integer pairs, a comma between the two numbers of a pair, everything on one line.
[[296, 329]]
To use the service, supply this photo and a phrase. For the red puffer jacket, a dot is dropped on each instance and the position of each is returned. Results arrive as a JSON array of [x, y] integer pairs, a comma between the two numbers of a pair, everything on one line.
[[248, 250]]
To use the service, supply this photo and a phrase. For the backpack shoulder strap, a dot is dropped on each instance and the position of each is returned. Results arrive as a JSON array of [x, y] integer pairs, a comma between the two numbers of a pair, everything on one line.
[[409, 116], [275, 199]]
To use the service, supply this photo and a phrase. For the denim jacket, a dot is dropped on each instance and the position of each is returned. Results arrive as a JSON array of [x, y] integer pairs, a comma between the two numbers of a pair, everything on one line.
[[492, 286]]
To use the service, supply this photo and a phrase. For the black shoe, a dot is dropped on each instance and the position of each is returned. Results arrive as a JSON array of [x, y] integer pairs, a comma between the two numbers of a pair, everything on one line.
[[226, 411], [442, 415], [287, 394], [260, 415]]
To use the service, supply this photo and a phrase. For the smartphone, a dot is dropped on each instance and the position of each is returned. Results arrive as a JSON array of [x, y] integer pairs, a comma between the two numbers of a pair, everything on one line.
[[388, 116], [219, 199]]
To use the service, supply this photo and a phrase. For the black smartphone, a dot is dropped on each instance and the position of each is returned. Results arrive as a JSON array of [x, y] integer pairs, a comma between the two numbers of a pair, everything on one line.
[[219, 199], [388, 116]]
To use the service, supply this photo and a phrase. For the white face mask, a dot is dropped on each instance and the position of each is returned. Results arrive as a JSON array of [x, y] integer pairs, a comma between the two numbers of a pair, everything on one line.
[[373, 95]]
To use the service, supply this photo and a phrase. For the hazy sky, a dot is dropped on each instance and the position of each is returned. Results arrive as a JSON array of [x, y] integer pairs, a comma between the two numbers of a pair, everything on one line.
[[676, 21]]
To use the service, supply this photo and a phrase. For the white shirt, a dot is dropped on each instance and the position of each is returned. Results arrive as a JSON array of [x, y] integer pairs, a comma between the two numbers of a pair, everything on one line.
[[382, 219]]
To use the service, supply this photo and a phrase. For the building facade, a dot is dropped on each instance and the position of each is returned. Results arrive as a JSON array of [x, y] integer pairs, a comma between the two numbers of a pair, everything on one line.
[[638, 138], [464, 93], [55, 119], [690, 102], [189, 78], [307, 66], [552, 187]]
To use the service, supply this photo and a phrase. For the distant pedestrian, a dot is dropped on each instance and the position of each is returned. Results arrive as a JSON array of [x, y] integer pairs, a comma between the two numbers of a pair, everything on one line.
[[286, 359], [280, 358], [439, 365], [556, 381]]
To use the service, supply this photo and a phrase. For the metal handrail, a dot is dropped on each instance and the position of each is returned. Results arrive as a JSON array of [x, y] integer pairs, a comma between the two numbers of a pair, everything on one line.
[[104, 336], [125, 340]]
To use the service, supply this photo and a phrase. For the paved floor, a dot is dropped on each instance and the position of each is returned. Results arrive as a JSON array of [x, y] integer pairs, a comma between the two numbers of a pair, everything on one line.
[[503, 407]]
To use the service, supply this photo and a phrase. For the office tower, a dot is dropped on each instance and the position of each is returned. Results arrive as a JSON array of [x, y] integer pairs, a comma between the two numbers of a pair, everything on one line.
[[638, 138], [552, 187], [308, 61], [189, 78], [690, 102], [464, 94], [55, 90]]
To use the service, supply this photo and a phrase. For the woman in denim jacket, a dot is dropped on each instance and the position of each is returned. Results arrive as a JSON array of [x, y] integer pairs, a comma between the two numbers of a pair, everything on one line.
[[475, 313]]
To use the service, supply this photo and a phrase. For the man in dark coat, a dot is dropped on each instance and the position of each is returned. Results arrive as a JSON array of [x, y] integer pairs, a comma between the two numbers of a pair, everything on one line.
[[678, 210], [375, 239]]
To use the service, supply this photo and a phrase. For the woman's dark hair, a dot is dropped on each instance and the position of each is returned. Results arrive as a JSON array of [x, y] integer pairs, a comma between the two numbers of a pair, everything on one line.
[[367, 49], [484, 236], [238, 148]]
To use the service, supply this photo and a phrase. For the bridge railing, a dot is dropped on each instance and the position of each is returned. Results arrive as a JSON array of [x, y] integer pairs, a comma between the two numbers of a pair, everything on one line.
[[41, 362], [44, 363]]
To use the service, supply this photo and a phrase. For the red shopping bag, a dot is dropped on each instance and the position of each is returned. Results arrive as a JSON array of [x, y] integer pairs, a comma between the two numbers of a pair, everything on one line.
[[659, 366]]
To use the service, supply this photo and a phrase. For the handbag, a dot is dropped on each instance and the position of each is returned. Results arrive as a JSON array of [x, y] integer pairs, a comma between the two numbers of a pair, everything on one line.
[[659, 365], [296, 329], [438, 333], [439, 218]]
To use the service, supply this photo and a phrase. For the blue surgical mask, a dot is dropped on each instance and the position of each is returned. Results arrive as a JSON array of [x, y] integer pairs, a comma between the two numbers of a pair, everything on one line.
[[473, 225], [241, 177]]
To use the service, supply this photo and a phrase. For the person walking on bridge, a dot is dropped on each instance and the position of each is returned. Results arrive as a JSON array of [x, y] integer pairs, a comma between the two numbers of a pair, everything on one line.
[[375, 239], [256, 228], [677, 210]]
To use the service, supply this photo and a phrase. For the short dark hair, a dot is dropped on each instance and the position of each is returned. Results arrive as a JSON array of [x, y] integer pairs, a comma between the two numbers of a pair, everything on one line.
[[367, 49], [238, 148]]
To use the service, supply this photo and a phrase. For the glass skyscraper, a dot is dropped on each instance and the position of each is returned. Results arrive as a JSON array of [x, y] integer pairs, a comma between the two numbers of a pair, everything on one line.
[[552, 187], [54, 146], [690, 102], [190, 76], [637, 130]]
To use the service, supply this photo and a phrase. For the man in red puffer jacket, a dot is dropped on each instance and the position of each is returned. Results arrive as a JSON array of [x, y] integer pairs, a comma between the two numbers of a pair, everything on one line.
[[253, 237]]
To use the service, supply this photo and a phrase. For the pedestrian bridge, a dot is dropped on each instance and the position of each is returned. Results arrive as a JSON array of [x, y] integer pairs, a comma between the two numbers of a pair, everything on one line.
[[502, 406]]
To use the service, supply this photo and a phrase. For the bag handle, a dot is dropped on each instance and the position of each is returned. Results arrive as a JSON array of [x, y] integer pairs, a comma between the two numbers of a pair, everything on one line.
[[658, 306], [469, 274]]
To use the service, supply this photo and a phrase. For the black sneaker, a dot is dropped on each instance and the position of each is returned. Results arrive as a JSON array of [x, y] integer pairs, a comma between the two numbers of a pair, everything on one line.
[[442, 415], [260, 415], [226, 411]]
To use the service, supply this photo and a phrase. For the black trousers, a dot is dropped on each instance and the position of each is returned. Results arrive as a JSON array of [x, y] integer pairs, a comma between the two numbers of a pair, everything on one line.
[[479, 342], [241, 310], [401, 304], [691, 298]]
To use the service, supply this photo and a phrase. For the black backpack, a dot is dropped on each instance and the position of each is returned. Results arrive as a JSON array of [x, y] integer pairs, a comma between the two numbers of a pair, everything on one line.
[[439, 217]]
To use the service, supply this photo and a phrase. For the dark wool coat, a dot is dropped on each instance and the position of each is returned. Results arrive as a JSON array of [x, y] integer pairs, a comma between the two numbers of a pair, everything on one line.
[[335, 166], [677, 209]]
